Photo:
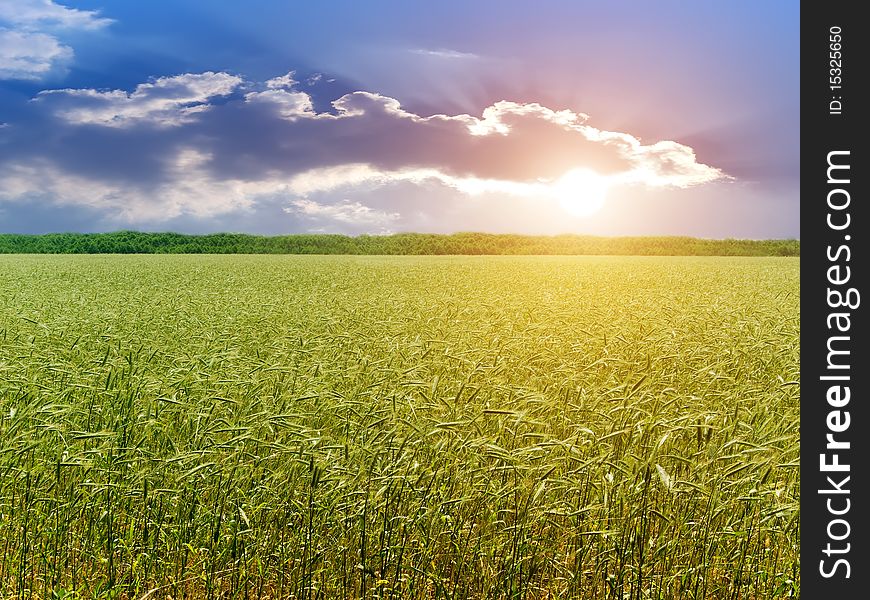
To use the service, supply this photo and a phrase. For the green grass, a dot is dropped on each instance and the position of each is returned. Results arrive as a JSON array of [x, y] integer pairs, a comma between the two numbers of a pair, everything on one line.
[[438, 427], [135, 242]]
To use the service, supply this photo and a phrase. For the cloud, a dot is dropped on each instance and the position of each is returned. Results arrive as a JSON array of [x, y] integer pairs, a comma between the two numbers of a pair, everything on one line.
[[38, 14], [26, 55], [346, 211], [372, 137], [287, 105], [445, 53], [194, 145], [30, 48], [167, 101], [285, 81], [187, 189]]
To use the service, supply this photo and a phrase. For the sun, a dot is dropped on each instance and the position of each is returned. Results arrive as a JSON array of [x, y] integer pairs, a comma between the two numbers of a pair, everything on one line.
[[580, 192]]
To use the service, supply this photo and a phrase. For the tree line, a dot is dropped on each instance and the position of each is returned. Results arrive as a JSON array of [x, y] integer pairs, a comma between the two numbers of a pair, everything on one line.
[[134, 242]]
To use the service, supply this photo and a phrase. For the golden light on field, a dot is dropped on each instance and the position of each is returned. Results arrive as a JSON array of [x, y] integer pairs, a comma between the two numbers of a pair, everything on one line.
[[581, 192]]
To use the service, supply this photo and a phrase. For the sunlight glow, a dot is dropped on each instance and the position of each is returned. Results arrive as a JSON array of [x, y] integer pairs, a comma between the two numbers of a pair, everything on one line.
[[580, 192]]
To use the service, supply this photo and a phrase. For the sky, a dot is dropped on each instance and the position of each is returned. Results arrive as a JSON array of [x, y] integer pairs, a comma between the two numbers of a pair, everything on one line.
[[273, 117]]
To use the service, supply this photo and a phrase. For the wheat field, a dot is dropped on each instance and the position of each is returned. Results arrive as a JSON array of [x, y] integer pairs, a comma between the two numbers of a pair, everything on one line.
[[399, 427]]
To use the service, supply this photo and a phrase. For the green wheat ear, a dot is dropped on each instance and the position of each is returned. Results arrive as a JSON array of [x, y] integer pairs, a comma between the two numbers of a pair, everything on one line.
[[399, 427]]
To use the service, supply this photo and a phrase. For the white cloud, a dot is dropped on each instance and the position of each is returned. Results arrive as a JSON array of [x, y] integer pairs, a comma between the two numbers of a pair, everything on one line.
[[289, 105], [189, 189], [280, 96], [350, 177], [271, 146], [668, 163], [445, 53], [28, 55], [496, 118], [347, 212], [30, 46], [168, 101], [440, 146], [663, 164], [39, 14], [40, 180], [331, 178], [285, 81]]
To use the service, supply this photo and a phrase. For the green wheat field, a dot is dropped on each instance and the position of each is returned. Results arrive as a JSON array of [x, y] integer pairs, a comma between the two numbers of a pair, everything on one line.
[[399, 427]]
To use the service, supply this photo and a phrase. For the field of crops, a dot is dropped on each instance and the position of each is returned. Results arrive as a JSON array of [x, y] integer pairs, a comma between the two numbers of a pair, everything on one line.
[[408, 427]]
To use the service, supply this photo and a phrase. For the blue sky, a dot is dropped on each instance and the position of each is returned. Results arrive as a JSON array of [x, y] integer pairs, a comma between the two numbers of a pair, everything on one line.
[[276, 117]]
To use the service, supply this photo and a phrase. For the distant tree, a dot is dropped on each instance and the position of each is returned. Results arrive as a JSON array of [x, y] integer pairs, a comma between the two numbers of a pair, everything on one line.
[[128, 242]]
